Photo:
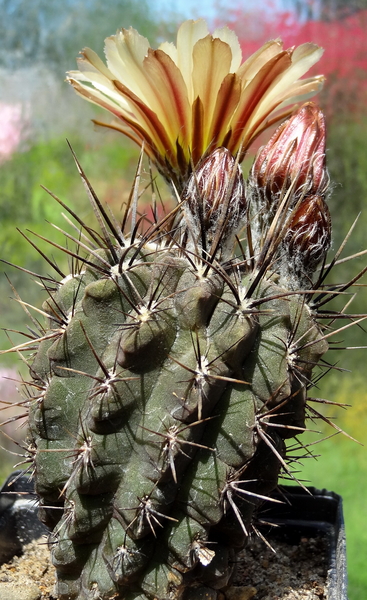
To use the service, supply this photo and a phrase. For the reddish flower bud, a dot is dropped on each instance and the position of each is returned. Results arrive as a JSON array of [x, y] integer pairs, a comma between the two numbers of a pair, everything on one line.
[[309, 234], [215, 198], [293, 158], [216, 177]]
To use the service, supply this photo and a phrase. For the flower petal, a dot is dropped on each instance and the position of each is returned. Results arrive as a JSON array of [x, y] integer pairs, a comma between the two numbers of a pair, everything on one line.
[[187, 36], [151, 121], [170, 95], [170, 49], [261, 57], [229, 37], [125, 53], [303, 58], [211, 63], [101, 84], [302, 90], [90, 63], [144, 125], [228, 98], [253, 96], [97, 97], [149, 147], [283, 88], [154, 78]]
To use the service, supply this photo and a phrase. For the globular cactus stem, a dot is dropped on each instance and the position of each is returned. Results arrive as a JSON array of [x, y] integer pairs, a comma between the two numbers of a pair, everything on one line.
[[176, 362]]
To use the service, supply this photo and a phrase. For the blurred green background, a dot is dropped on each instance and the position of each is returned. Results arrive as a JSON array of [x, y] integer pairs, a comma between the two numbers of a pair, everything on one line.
[[38, 111]]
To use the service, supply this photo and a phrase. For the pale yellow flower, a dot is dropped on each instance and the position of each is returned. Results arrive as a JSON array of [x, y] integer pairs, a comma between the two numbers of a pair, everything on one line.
[[184, 101]]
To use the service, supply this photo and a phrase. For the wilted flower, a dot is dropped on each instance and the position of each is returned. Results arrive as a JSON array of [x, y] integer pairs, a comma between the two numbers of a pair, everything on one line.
[[294, 158], [184, 101], [214, 200]]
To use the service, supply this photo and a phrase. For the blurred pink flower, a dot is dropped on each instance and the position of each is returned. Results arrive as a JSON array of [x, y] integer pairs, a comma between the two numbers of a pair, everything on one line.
[[11, 129]]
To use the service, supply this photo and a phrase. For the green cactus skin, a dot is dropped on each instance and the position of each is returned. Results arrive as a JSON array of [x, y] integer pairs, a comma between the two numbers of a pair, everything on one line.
[[153, 424], [165, 386]]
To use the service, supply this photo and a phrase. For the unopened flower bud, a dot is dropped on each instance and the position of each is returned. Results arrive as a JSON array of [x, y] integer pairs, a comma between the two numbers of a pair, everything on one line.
[[215, 199], [294, 159], [309, 234]]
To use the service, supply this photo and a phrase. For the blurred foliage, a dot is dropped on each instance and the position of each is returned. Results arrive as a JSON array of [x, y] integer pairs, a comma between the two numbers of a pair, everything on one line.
[[347, 163], [25, 205], [54, 32], [341, 467], [40, 40]]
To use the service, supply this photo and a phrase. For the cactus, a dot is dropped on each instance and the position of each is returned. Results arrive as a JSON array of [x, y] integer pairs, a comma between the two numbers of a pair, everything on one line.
[[168, 378], [176, 362]]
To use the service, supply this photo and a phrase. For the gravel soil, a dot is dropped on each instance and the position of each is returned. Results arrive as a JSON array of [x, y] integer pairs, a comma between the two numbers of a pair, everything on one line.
[[30, 576], [290, 573]]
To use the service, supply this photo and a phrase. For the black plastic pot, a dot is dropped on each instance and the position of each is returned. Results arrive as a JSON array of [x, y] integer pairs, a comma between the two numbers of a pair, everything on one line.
[[306, 514], [19, 523], [311, 513]]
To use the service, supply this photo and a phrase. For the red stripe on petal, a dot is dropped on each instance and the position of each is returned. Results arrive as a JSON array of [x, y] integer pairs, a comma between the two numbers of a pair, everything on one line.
[[261, 57], [171, 93], [251, 97], [183, 163], [228, 98], [133, 134], [96, 97], [149, 121], [197, 149]]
